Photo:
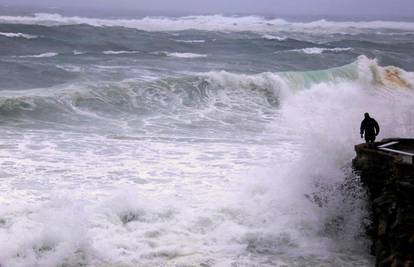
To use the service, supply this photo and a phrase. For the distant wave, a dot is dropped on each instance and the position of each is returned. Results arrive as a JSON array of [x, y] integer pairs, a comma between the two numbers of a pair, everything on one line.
[[111, 52], [190, 41], [179, 55], [395, 33], [272, 37], [49, 54], [214, 23], [185, 55], [18, 35], [320, 50]]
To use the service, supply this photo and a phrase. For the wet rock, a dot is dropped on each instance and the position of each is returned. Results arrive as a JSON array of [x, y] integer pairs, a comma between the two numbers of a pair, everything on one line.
[[390, 184]]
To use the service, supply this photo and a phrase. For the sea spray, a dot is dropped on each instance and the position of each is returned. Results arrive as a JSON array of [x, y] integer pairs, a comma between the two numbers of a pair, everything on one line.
[[116, 152]]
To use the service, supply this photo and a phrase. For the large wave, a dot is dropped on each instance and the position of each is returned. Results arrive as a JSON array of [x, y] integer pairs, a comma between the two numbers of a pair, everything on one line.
[[213, 23], [306, 212], [192, 92], [301, 210]]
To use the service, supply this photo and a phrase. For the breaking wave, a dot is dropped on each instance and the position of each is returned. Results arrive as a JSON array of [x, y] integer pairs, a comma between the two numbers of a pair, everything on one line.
[[305, 208], [170, 158], [213, 22], [194, 92]]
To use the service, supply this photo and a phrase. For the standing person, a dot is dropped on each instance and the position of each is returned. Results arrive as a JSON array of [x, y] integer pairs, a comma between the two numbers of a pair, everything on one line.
[[370, 127]]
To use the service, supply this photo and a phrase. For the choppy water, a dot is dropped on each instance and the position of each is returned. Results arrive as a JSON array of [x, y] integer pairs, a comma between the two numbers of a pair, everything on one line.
[[192, 141]]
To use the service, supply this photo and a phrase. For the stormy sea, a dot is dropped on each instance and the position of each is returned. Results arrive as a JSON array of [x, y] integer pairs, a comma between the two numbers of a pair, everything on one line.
[[193, 141]]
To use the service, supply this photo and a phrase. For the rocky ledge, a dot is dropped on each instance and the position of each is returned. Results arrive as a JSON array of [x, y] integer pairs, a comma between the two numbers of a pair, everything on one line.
[[386, 169]]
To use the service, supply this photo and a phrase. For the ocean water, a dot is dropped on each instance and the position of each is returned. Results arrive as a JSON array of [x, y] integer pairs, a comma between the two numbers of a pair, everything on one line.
[[192, 141]]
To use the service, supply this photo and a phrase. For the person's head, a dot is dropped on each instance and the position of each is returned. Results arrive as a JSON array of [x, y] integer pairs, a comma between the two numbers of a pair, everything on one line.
[[366, 115]]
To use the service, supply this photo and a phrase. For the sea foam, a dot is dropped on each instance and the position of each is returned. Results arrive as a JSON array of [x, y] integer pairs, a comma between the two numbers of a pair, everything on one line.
[[284, 194], [179, 55], [18, 35], [273, 37], [319, 50], [48, 54], [190, 41], [111, 52], [214, 23]]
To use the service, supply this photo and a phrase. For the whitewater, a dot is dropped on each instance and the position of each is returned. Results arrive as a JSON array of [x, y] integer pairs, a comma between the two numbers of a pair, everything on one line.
[[192, 141]]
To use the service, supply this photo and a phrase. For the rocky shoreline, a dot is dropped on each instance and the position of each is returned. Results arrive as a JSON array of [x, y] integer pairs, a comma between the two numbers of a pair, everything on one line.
[[387, 171]]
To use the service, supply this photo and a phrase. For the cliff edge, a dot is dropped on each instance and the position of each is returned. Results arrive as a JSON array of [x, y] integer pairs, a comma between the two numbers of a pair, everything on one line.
[[386, 169]]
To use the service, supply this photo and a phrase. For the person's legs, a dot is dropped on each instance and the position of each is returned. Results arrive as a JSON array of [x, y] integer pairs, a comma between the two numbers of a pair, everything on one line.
[[369, 139]]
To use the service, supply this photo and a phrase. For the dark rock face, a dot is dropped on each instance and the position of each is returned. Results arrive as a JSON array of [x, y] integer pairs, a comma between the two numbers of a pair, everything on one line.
[[390, 183]]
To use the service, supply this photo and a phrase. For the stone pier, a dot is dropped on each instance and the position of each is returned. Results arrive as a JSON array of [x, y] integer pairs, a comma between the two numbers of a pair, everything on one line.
[[386, 169]]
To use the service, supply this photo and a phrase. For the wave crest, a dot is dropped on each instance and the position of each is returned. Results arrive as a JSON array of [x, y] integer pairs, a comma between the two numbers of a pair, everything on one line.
[[18, 35], [320, 50], [194, 92], [213, 23], [48, 54], [111, 52], [179, 55]]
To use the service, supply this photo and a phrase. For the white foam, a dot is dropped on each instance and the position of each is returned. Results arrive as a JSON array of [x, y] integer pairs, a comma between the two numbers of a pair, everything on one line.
[[190, 41], [319, 50], [48, 54], [74, 199], [185, 55], [272, 37], [325, 120], [111, 52], [179, 55], [18, 35], [214, 23]]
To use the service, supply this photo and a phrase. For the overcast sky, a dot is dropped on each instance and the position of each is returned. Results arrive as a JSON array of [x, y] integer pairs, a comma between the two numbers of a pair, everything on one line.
[[292, 7]]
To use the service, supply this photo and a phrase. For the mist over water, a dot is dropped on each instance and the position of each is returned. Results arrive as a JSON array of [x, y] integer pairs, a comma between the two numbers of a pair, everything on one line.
[[192, 141]]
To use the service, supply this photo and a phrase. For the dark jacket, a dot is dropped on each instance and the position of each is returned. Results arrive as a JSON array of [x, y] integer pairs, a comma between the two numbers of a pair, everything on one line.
[[370, 127]]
